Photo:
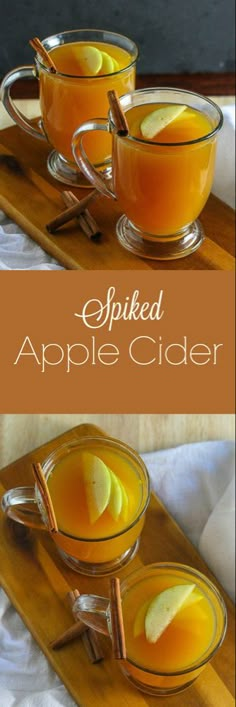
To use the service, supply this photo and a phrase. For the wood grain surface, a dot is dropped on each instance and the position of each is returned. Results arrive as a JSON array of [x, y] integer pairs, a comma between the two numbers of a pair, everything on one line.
[[37, 581], [145, 433], [31, 198]]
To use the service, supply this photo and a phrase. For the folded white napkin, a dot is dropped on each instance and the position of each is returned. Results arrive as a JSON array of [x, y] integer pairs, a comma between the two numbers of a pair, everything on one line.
[[195, 482], [19, 252]]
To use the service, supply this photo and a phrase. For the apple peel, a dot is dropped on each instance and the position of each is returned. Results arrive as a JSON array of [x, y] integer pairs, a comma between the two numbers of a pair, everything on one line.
[[156, 121], [163, 608]]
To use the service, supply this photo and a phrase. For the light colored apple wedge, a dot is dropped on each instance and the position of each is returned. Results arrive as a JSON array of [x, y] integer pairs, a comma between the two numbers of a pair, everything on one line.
[[116, 497], [156, 121], [97, 481], [116, 65], [107, 64], [90, 60], [193, 598], [125, 503], [163, 608]]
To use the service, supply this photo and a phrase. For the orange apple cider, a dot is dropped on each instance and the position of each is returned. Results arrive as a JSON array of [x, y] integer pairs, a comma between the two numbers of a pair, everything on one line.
[[161, 184], [104, 535], [184, 643], [71, 97]]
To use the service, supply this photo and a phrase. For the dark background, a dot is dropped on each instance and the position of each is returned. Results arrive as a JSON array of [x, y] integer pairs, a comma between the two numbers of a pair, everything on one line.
[[185, 36]]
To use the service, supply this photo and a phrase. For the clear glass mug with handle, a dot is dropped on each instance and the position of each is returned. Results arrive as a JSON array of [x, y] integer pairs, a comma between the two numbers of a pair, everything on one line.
[[100, 490], [69, 97], [174, 661], [161, 184]]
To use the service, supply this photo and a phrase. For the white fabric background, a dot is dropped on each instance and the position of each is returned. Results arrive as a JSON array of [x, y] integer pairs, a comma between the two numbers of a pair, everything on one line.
[[19, 252], [195, 482]]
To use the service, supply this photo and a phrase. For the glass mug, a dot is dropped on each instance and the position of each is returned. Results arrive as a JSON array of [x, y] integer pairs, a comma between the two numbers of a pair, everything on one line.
[[91, 541], [174, 662], [161, 186], [67, 100]]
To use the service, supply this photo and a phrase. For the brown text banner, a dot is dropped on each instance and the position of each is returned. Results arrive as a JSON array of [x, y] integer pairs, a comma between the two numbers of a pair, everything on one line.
[[117, 342]]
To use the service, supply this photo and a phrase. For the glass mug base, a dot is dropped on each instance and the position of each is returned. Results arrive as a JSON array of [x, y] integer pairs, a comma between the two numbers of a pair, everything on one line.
[[70, 174], [179, 245], [100, 569], [157, 691]]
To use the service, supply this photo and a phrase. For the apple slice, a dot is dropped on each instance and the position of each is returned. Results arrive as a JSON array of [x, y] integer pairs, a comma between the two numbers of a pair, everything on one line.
[[90, 60], [116, 65], [193, 598], [116, 498], [139, 622], [97, 481], [125, 503], [156, 121], [163, 608], [107, 64]]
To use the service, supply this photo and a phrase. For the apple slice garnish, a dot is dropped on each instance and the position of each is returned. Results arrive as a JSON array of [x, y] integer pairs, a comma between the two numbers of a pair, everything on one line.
[[125, 503], [90, 60], [163, 608], [139, 623], [116, 65], [107, 64], [156, 121], [97, 479], [116, 498]]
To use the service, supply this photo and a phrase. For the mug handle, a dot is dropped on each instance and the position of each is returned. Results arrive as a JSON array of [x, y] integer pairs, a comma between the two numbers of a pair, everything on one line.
[[93, 610], [81, 157], [22, 72], [13, 503]]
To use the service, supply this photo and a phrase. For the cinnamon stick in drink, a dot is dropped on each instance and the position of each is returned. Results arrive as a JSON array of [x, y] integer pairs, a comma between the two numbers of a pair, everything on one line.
[[43, 490], [117, 625], [45, 56], [117, 114]]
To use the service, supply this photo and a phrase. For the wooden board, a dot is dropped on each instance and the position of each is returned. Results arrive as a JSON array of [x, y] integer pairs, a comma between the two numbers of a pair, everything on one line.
[[34, 563], [31, 198]]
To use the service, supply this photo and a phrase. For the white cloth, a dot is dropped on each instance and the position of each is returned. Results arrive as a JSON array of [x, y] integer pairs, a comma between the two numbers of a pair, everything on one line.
[[195, 482], [224, 179], [19, 252]]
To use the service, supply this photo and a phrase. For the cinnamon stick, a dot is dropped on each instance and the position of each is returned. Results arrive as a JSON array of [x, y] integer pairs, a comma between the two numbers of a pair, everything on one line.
[[43, 489], [70, 213], [69, 635], [117, 115], [89, 637], [45, 56], [91, 645], [117, 625], [71, 597], [86, 221]]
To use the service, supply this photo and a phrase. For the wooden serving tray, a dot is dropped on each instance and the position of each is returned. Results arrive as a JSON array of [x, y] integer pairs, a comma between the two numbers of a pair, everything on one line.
[[31, 198], [37, 581]]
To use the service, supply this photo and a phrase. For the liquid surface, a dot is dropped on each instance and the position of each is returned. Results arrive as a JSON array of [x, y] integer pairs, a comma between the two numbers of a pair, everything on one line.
[[68, 492], [67, 56], [183, 642], [190, 125]]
